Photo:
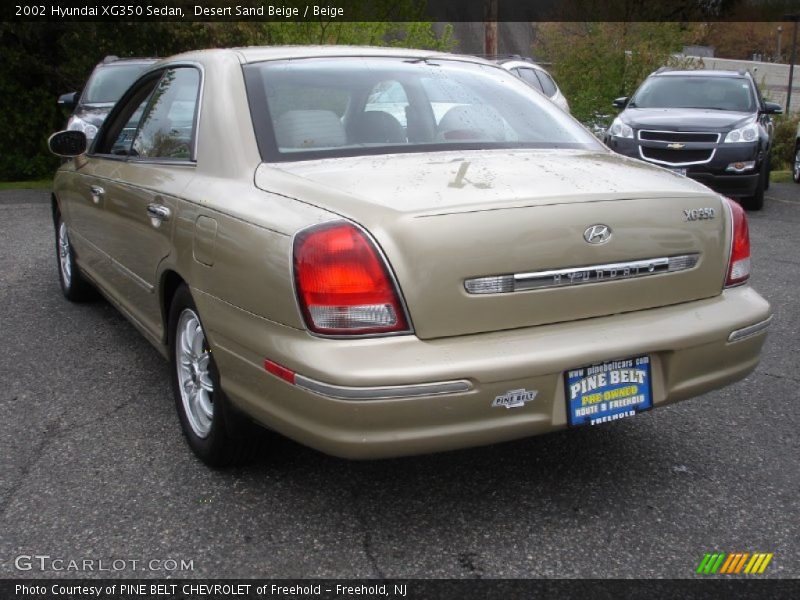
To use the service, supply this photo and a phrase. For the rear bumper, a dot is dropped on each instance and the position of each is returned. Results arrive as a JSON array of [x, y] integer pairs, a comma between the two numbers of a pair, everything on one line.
[[688, 345]]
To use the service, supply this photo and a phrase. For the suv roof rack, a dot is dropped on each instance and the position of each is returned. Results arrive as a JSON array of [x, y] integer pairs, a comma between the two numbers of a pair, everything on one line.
[[110, 58]]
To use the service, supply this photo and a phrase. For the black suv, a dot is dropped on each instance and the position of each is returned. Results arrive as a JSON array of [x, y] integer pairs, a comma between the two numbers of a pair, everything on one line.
[[712, 126], [105, 86]]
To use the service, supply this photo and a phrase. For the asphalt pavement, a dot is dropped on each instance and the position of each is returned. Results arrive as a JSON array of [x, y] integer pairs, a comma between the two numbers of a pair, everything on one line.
[[93, 466]]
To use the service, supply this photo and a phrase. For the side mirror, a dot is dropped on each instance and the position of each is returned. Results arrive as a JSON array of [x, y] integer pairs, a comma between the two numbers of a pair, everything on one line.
[[620, 102], [773, 108], [68, 101], [67, 143]]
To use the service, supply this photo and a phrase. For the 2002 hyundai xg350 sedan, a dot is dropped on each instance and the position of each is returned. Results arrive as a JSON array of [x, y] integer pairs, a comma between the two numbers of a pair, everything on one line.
[[465, 267]]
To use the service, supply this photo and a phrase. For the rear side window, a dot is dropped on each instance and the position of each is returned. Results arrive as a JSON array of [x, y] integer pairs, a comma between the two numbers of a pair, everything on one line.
[[167, 126], [548, 85], [529, 75]]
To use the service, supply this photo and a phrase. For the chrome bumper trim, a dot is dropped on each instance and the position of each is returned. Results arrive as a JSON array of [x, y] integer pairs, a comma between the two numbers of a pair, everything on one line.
[[518, 282], [749, 331], [382, 393]]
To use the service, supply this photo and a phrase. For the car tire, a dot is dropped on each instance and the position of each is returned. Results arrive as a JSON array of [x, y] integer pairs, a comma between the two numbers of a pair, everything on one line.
[[756, 201], [218, 436], [74, 285], [796, 166]]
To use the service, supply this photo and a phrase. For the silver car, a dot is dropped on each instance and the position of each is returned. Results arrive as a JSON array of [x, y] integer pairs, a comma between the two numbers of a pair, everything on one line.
[[537, 77], [375, 282]]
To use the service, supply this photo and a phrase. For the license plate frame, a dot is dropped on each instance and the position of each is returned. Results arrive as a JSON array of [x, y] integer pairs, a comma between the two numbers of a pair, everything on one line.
[[608, 391]]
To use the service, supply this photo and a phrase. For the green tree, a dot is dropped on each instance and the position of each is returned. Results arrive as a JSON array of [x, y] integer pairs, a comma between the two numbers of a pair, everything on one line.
[[597, 62]]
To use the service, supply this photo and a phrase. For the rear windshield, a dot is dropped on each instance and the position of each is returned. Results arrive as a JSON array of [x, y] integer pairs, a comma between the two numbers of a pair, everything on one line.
[[319, 107], [716, 93], [107, 84]]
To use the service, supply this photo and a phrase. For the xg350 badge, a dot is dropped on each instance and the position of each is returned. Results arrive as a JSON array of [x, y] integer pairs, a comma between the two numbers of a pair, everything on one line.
[[515, 398], [699, 214]]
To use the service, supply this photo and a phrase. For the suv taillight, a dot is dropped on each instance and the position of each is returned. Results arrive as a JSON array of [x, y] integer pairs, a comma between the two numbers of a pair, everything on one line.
[[739, 261], [344, 286]]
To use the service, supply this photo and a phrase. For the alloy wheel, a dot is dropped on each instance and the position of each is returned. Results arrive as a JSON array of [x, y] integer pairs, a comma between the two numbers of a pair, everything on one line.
[[192, 359]]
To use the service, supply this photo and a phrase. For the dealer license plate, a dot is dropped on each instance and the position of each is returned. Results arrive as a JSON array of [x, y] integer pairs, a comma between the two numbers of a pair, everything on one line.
[[608, 391]]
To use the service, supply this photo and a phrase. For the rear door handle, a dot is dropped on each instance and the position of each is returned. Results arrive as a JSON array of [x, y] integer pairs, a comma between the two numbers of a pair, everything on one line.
[[158, 213], [97, 193]]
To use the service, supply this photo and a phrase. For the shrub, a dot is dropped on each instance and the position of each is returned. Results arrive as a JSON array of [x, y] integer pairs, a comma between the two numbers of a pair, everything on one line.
[[783, 144]]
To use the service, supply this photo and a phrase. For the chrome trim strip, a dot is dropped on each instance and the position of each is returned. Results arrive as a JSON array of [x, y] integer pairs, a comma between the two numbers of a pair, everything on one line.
[[678, 164], [745, 332], [149, 288], [384, 392], [678, 132], [517, 282]]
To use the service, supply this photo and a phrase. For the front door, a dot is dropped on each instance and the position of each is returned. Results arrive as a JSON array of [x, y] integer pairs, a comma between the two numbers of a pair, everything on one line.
[[141, 191]]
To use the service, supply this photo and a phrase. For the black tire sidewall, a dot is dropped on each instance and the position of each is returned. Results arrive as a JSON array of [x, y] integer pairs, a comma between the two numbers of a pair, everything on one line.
[[795, 174], [78, 290], [65, 289]]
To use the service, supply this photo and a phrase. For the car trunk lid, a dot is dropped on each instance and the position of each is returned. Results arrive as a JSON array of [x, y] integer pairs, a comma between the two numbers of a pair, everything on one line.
[[529, 226]]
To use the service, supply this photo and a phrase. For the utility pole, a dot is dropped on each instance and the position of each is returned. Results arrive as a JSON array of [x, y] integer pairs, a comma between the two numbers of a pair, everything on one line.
[[490, 27], [780, 34], [794, 18]]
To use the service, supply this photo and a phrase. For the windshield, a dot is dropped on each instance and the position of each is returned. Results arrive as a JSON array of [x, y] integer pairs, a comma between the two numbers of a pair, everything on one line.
[[320, 107], [108, 83], [716, 93]]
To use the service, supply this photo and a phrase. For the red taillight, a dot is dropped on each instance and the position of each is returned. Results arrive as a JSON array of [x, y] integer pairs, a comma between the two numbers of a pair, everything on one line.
[[343, 284], [739, 263]]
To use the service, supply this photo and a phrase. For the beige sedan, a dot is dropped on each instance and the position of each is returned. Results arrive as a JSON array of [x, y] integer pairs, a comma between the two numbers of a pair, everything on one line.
[[384, 252]]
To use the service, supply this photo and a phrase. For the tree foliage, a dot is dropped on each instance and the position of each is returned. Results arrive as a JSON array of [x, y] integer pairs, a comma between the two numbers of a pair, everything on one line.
[[784, 141], [597, 62], [43, 60]]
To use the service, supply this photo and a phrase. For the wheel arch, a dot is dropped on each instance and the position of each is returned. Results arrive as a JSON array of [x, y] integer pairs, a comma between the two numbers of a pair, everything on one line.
[[169, 283], [55, 208]]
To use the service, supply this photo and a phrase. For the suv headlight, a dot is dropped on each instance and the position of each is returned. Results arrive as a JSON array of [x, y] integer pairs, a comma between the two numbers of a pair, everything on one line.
[[620, 129], [748, 133], [78, 124]]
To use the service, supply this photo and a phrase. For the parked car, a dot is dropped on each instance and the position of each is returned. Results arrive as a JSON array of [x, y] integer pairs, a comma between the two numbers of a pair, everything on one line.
[[712, 126], [105, 85], [489, 271], [536, 76]]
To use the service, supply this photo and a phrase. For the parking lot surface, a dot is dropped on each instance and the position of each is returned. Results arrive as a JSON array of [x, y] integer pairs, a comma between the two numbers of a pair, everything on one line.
[[94, 468]]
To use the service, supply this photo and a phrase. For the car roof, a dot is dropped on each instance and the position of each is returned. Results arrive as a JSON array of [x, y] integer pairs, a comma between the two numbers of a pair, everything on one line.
[[255, 54], [126, 61], [701, 73], [516, 63]]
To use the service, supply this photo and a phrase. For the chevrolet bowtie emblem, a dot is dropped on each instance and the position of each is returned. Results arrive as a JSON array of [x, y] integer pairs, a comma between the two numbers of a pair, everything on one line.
[[676, 146]]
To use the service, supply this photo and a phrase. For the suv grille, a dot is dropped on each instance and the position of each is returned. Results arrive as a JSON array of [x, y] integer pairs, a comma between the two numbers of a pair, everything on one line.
[[677, 157], [679, 136]]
